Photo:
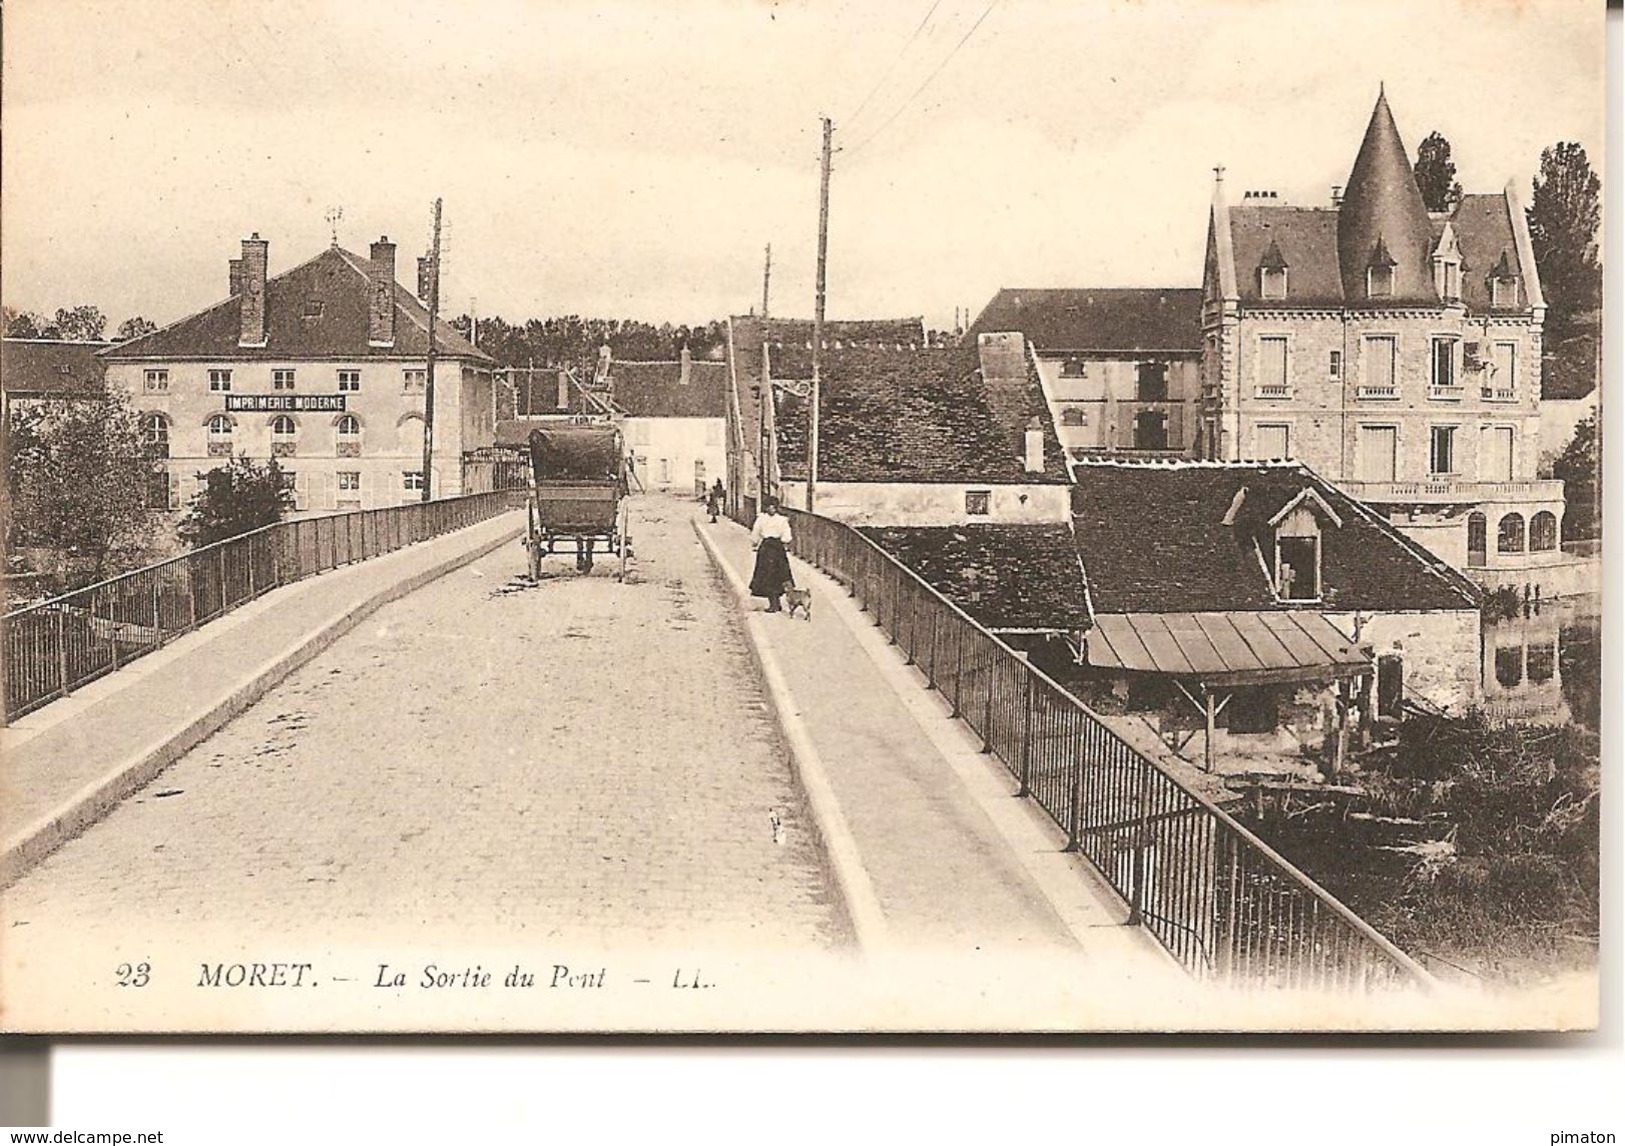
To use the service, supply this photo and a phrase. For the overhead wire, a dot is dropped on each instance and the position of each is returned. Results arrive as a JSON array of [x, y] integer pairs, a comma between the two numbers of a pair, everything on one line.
[[891, 67], [924, 84]]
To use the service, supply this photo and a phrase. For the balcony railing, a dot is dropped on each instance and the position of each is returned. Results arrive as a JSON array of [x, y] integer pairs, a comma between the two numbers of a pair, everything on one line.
[[1445, 492], [56, 646], [1378, 393], [1498, 393], [1222, 902]]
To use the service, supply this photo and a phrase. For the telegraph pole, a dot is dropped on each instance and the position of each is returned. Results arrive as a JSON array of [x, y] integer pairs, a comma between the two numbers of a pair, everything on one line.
[[428, 375], [818, 318], [767, 276]]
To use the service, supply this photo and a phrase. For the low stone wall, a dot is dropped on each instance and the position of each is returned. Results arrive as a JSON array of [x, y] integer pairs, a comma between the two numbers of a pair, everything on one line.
[[1571, 576]]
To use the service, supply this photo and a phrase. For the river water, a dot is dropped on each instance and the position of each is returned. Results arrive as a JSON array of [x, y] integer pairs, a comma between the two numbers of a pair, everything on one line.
[[1545, 667]]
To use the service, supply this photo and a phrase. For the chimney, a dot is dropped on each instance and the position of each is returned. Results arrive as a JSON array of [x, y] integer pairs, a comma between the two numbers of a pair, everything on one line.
[[564, 390], [381, 301], [1035, 447], [256, 253], [234, 271], [686, 366], [423, 277]]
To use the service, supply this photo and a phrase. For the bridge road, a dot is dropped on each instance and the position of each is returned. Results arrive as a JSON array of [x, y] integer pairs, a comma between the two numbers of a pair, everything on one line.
[[576, 760]]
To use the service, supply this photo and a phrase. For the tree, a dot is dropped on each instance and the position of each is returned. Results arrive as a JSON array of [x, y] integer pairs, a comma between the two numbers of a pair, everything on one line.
[[1563, 216], [133, 328], [1577, 468], [79, 324], [78, 477], [236, 498], [24, 324], [1436, 174]]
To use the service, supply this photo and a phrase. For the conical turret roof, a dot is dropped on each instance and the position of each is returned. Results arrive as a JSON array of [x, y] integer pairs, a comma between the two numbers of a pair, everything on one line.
[[1382, 207]]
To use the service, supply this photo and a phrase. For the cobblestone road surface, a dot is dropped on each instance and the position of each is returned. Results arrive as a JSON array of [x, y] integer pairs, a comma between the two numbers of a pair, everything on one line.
[[576, 759]]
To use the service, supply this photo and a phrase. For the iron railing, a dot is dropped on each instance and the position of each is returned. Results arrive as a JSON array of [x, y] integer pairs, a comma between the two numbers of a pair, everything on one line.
[[55, 646], [1222, 902]]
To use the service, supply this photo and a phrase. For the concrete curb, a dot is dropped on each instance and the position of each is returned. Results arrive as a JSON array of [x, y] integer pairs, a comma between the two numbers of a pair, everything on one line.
[[96, 799], [862, 905]]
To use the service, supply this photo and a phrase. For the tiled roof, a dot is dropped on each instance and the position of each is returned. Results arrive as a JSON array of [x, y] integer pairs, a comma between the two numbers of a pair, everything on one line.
[[1152, 539], [920, 416], [1327, 250], [1484, 234], [51, 368], [338, 280], [1111, 320], [748, 333], [1307, 240], [1005, 576], [656, 389]]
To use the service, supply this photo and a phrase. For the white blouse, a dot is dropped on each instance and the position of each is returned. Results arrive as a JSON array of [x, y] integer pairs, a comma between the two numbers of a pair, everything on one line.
[[770, 525]]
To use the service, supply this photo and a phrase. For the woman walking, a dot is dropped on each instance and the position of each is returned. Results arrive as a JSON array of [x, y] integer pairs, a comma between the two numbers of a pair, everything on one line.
[[770, 537], [714, 500]]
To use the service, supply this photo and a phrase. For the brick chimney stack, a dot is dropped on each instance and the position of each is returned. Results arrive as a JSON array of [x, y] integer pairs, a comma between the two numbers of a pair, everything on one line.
[[234, 271], [256, 254], [686, 366], [564, 390], [381, 301], [423, 277]]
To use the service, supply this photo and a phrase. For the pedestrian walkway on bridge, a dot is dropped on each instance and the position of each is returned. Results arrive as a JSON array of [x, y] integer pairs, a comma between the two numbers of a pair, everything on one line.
[[953, 863]]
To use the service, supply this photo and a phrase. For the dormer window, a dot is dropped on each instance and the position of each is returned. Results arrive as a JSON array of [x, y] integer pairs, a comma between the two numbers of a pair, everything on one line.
[[1503, 284], [1298, 525], [1272, 273], [1447, 266], [1379, 275]]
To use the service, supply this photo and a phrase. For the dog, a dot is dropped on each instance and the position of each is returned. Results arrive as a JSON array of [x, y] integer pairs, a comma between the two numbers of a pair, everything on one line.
[[798, 599]]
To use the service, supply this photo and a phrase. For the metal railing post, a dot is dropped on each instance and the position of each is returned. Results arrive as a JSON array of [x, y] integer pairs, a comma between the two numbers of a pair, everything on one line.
[[1074, 826], [63, 685], [1142, 831], [1027, 740]]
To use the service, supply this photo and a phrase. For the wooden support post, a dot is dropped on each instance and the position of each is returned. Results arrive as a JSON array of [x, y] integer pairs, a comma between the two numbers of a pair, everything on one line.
[[1212, 721]]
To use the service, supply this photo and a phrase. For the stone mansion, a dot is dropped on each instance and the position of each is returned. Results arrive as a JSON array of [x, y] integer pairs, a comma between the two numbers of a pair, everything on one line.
[[1396, 351]]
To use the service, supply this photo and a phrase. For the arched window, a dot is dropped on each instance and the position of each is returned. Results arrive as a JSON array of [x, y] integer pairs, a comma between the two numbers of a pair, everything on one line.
[[1509, 666], [1543, 532], [1509, 535], [1072, 416], [284, 436], [347, 431], [1477, 540], [221, 428], [155, 435]]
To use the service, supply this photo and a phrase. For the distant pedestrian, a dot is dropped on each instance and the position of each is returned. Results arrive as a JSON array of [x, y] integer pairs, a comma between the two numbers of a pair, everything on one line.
[[770, 537], [713, 500]]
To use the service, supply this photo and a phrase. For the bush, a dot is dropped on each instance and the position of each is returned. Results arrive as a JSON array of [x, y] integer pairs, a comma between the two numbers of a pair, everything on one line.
[[239, 497]]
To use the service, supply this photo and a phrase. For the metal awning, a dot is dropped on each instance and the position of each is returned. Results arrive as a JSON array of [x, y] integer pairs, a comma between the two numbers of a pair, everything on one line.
[[1282, 646]]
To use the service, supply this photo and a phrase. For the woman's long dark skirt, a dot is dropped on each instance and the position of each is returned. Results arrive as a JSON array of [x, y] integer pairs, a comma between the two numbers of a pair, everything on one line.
[[772, 572]]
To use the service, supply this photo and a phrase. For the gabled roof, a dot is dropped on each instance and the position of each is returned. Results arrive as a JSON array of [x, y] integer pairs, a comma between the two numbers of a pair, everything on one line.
[[657, 389], [1007, 577], [336, 278], [51, 368], [929, 415], [1152, 539], [1117, 320]]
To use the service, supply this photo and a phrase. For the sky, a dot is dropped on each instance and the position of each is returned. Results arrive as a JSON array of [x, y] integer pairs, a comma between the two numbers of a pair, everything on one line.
[[632, 158]]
